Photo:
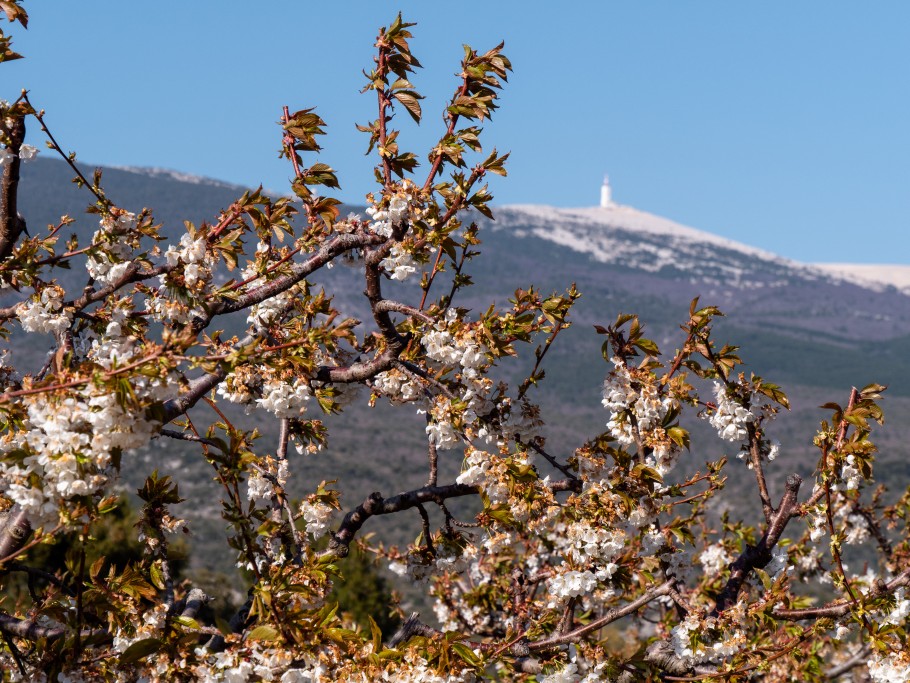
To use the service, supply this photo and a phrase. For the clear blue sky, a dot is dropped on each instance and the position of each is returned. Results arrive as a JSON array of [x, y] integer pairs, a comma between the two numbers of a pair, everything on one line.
[[785, 125]]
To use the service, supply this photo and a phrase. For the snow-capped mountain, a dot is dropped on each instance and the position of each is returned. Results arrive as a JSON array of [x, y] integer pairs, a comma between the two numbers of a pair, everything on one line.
[[622, 259], [623, 235], [622, 249], [874, 276], [179, 176]]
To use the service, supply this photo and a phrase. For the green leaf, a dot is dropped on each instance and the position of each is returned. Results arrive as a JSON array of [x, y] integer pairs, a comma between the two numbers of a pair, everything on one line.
[[679, 436], [156, 576], [775, 393], [187, 622], [223, 626], [401, 84], [648, 346], [376, 633], [873, 390], [647, 474], [264, 632], [467, 654], [140, 649]]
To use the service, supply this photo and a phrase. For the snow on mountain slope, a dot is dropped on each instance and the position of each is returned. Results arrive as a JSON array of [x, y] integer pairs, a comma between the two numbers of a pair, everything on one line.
[[620, 216], [625, 236], [873, 276], [179, 176]]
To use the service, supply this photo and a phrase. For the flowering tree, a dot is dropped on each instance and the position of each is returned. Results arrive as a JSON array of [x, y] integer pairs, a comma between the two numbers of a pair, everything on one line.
[[597, 561]]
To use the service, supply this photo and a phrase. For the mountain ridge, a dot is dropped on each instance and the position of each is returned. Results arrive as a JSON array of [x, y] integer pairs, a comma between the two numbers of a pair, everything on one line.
[[618, 216], [873, 276]]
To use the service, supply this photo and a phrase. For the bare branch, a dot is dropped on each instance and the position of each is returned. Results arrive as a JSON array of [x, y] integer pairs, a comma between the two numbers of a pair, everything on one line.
[[11, 224], [375, 505], [612, 615], [14, 531], [759, 555]]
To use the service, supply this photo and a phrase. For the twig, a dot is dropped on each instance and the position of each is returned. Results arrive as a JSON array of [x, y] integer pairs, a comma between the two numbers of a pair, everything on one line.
[[612, 615], [14, 651], [288, 142], [433, 458], [755, 459], [861, 657]]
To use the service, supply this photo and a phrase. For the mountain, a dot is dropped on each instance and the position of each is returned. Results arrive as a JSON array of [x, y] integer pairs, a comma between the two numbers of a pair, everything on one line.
[[761, 287], [815, 330], [778, 310], [871, 276]]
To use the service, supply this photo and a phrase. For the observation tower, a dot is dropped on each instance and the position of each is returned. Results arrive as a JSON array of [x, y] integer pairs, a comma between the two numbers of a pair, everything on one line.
[[606, 194]]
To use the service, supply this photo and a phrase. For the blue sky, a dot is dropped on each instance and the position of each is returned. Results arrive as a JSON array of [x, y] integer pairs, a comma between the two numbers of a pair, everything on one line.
[[780, 124]]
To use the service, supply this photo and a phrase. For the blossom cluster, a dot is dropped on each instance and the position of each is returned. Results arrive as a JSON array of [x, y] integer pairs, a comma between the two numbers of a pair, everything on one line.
[[637, 411], [149, 625], [267, 313], [70, 442], [262, 388], [715, 559], [487, 471], [890, 667], [317, 516], [398, 386], [729, 418], [382, 221], [400, 263], [47, 313], [183, 286], [283, 399], [113, 248], [26, 153], [714, 640]]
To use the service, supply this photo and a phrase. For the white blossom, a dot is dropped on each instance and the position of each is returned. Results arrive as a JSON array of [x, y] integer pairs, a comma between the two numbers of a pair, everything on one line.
[[571, 584], [891, 667], [727, 645], [849, 475], [715, 559], [443, 435], [259, 488], [47, 315], [285, 400], [399, 264], [397, 386], [779, 562], [729, 417], [318, 517], [28, 152], [381, 225], [268, 312], [567, 674], [901, 611]]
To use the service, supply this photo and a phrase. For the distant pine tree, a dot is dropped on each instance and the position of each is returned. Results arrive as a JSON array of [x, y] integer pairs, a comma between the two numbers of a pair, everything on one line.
[[363, 591]]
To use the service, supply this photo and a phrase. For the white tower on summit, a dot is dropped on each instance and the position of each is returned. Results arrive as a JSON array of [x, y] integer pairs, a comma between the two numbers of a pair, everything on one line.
[[606, 194]]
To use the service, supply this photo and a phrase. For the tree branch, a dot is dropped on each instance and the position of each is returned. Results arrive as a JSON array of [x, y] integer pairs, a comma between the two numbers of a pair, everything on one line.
[[759, 555], [11, 224], [14, 531], [375, 505], [612, 615]]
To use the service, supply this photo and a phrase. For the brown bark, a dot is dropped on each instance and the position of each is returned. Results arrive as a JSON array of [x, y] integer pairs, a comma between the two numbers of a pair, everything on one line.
[[11, 224]]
